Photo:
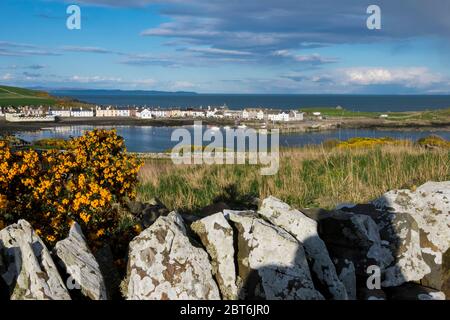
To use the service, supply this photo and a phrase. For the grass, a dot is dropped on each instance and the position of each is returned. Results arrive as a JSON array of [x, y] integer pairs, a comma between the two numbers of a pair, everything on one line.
[[429, 115], [335, 112], [308, 177], [18, 96]]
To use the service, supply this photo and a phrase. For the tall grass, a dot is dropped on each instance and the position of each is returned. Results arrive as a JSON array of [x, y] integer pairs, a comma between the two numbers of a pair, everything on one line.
[[308, 177]]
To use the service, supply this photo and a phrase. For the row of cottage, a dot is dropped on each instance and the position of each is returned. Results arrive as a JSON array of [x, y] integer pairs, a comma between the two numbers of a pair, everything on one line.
[[149, 113]]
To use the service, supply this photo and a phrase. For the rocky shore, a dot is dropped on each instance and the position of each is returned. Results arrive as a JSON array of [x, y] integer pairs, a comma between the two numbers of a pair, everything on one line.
[[395, 247]]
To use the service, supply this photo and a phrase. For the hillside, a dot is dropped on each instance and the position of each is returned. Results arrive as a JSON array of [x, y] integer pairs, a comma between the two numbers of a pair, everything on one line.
[[19, 96]]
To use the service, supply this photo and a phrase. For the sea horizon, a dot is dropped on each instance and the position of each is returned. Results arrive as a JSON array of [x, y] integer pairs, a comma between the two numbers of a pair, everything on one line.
[[353, 102]]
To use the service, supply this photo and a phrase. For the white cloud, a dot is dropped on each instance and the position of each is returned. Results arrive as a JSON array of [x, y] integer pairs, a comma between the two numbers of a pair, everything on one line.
[[409, 77], [217, 51]]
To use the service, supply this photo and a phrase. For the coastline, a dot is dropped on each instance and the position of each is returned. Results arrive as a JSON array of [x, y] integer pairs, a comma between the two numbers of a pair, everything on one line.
[[291, 127]]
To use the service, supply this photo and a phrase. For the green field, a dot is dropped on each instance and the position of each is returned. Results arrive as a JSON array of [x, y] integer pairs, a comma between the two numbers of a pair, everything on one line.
[[434, 115], [13, 96]]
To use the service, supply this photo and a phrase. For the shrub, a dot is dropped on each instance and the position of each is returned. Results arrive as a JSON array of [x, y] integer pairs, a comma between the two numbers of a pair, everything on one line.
[[433, 141], [55, 188]]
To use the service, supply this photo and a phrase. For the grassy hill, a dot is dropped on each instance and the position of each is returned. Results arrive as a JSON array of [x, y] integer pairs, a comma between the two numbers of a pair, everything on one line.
[[18, 96]]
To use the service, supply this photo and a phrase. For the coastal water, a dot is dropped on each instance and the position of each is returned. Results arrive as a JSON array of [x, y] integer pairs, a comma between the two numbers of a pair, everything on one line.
[[377, 103], [158, 139]]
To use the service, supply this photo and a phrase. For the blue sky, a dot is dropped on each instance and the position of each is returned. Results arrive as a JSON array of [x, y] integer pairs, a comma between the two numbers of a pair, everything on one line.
[[233, 46]]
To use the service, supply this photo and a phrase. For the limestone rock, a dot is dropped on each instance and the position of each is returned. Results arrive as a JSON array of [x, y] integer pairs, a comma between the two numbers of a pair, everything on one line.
[[271, 263], [401, 234], [163, 264], [346, 273], [78, 261], [217, 237], [355, 237], [30, 270], [304, 230], [429, 205]]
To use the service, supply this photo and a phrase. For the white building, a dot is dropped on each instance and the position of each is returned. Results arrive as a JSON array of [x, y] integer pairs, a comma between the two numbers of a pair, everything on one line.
[[60, 113], [277, 116], [233, 114], [80, 113], [159, 113], [144, 114], [123, 112], [295, 115], [106, 112]]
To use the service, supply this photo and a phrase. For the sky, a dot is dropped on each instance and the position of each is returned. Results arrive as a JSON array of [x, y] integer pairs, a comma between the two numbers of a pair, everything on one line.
[[228, 46]]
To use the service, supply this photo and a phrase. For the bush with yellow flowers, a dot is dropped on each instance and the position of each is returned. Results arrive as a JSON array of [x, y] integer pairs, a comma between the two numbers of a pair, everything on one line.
[[81, 183]]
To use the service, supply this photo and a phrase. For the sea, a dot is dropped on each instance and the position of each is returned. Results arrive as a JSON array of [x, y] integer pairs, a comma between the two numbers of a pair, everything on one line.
[[362, 103]]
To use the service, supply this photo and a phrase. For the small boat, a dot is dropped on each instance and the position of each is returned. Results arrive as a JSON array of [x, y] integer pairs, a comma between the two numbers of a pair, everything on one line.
[[226, 127], [243, 126], [214, 128]]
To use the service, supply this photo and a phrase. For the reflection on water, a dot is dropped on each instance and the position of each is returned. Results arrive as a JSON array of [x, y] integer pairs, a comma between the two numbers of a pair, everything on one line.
[[158, 139]]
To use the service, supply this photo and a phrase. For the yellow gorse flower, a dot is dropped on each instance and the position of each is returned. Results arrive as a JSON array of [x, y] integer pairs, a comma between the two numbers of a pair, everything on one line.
[[79, 183]]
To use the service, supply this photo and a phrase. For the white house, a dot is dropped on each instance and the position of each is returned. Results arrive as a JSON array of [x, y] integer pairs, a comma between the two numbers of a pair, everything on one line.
[[144, 114], [233, 114], [80, 113], [295, 115], [277, 116], [60, 113], [123, 112], [107, 112], [245, 114]]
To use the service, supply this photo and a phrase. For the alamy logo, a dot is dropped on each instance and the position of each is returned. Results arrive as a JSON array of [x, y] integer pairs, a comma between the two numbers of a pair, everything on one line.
[[228, 148], [374, 20], [74, 20], [374, 279]]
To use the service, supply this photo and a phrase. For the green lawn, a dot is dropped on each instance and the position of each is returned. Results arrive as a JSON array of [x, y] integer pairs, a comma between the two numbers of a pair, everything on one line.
[[333, 112], [18, 96], [434, 115]]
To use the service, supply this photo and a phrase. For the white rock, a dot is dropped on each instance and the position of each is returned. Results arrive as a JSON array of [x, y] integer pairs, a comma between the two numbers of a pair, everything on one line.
[[402, 233], [304, 230], [429, 205], [217, 237], [31, 271], [80, 264], [271, 263], [164, 265]]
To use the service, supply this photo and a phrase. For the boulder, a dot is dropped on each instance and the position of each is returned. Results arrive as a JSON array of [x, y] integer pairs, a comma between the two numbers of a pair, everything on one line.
[[346, 273], [30, 271], [148, 212], [271, 263], [304, 230], [77, 260], [164, 265], [354, 237], [400, 233], [429, 205], [217, 237]]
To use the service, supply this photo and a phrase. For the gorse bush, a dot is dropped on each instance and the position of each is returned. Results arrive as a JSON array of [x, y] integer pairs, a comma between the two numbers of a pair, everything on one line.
[[55, 188]]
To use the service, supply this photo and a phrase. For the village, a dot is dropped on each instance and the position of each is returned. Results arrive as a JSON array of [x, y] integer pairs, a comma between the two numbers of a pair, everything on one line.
[[47, 113]]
